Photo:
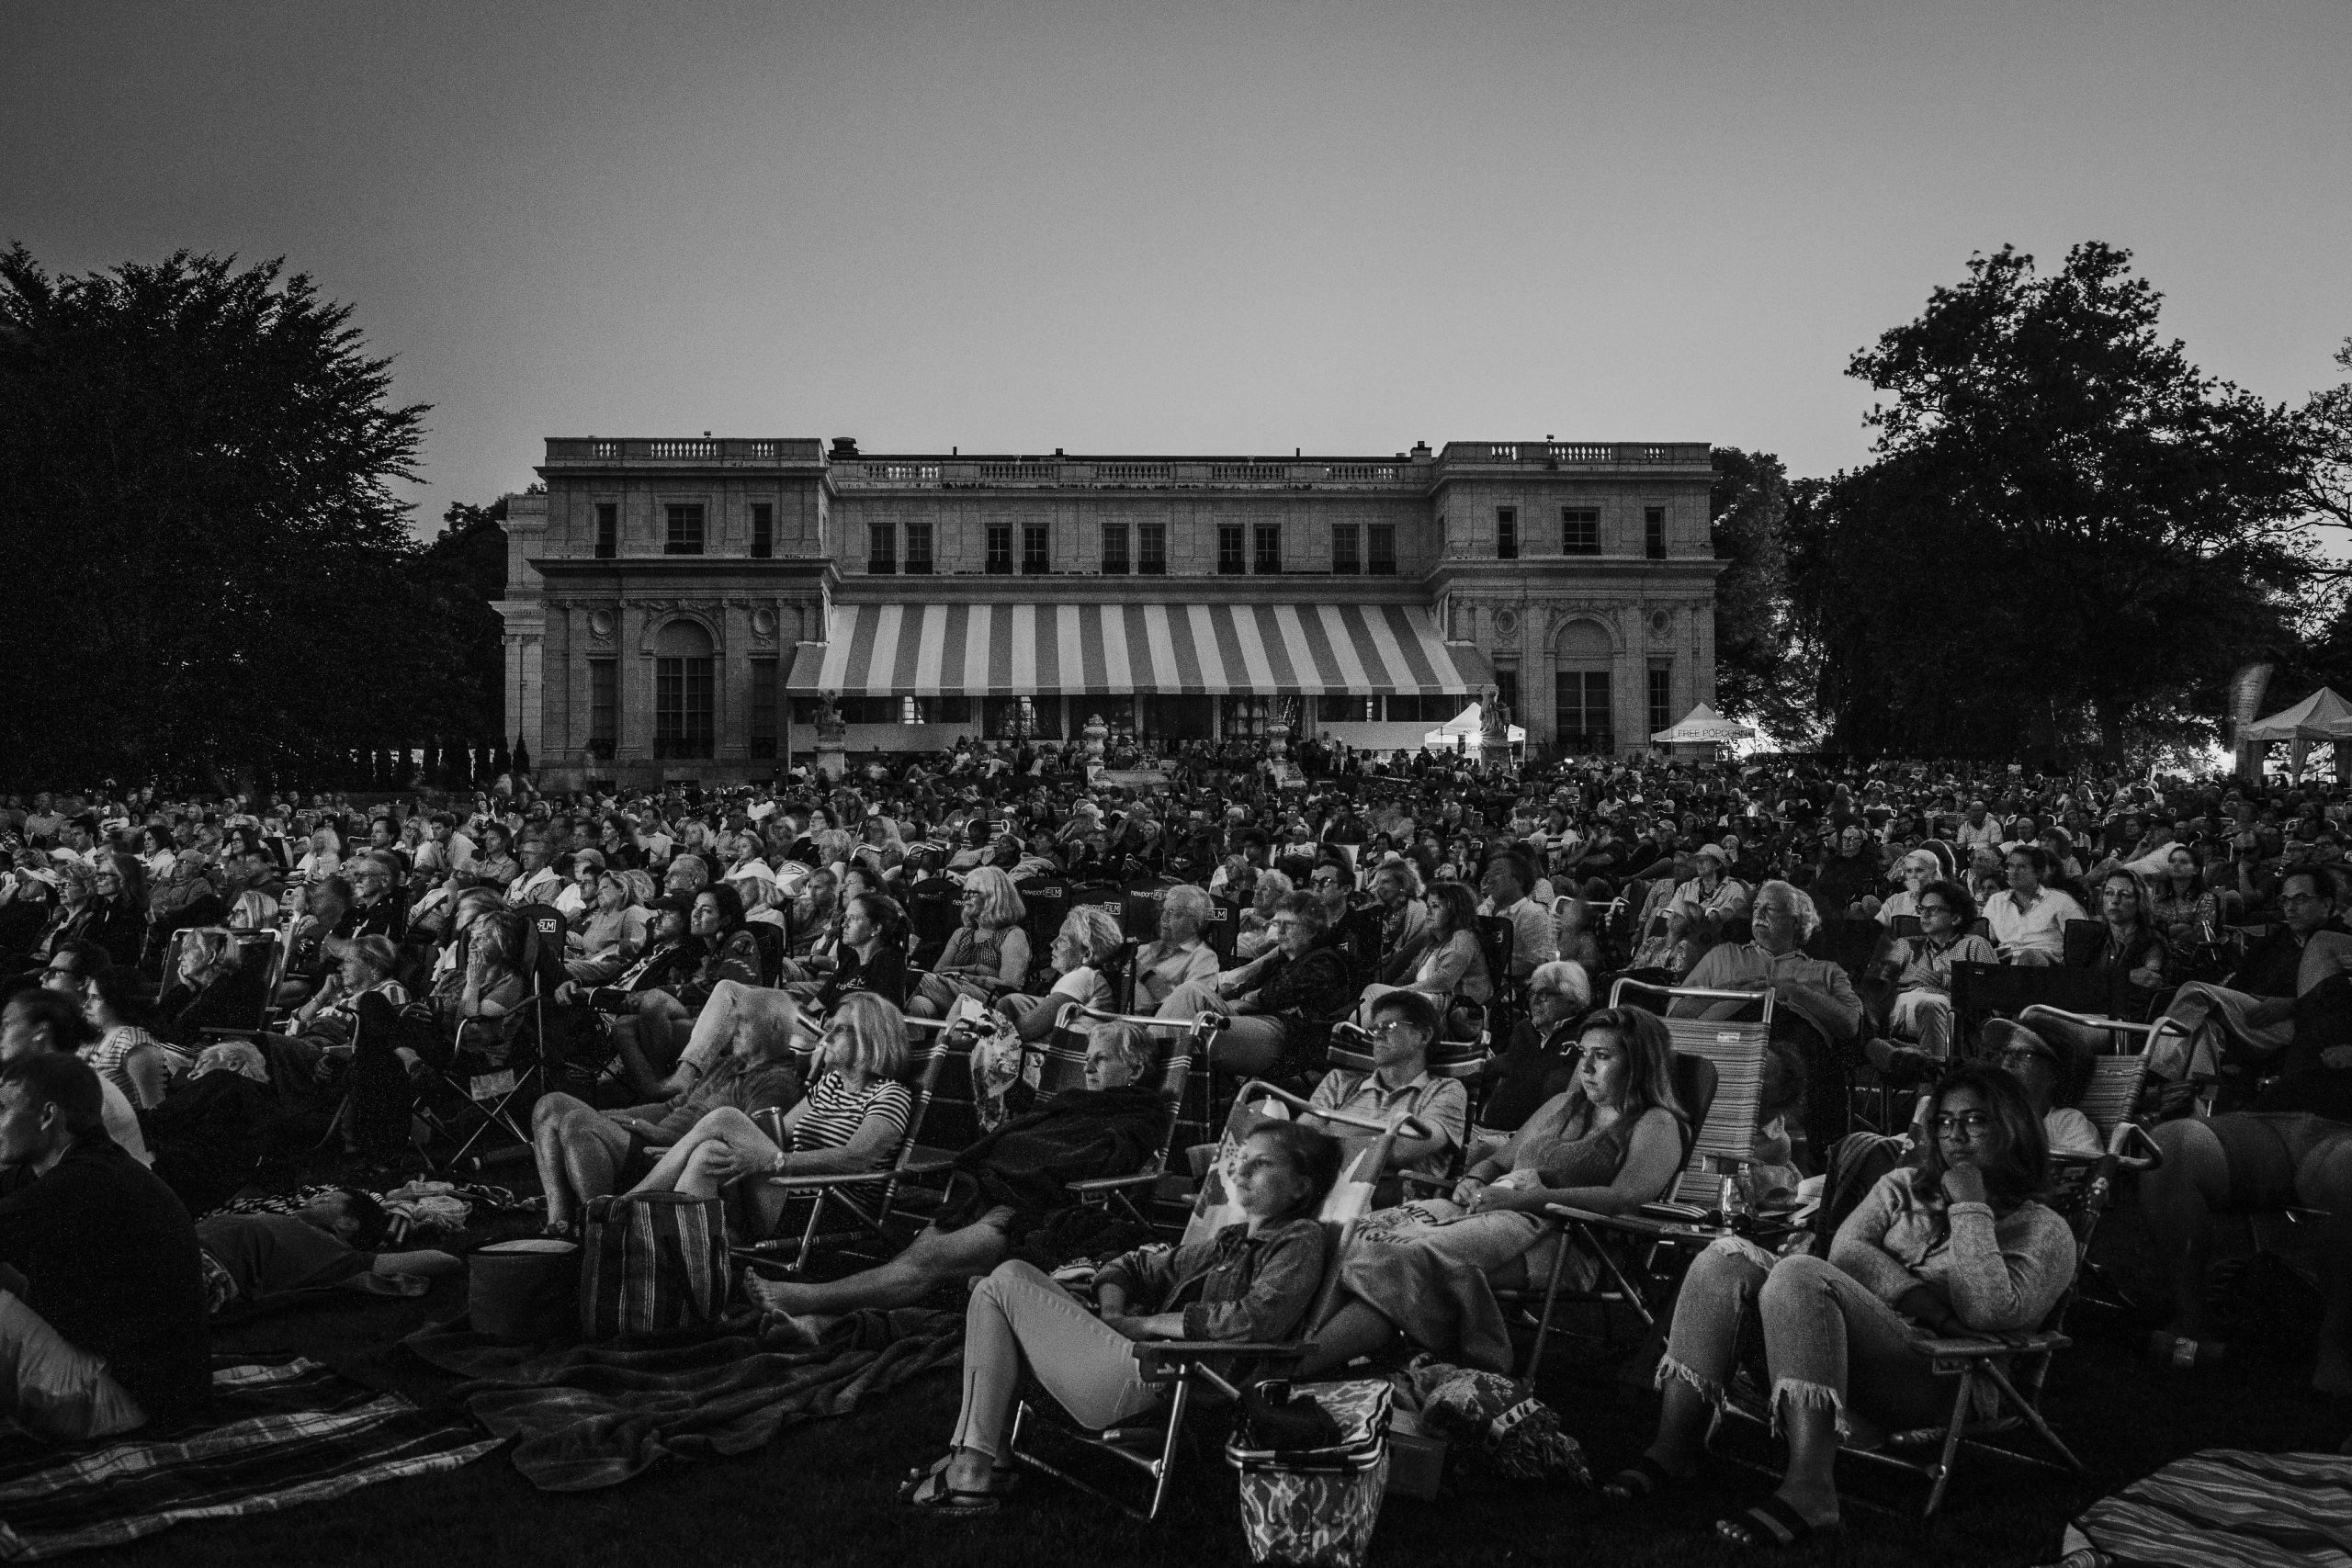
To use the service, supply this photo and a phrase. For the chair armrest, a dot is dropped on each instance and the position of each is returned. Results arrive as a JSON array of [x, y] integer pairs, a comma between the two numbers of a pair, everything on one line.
[[1637, 1224], [1426, 1182], [1112, 1183], [1984, 1347], [1150, 1353], [813, 1181]]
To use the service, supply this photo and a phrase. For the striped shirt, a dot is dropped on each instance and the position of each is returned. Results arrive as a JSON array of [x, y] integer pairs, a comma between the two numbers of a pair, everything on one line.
[[835, 1112]]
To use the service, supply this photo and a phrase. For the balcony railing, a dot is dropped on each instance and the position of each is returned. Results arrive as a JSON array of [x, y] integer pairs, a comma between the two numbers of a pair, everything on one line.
[[598, 451], [1581, 454]]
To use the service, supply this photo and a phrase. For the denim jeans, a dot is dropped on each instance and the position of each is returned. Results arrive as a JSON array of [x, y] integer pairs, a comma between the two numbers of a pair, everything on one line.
[[1018, 1314], [1822, 1328]]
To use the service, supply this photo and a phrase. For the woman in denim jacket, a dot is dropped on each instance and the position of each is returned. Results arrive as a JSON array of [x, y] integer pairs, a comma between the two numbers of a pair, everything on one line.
[[1251, 1282]]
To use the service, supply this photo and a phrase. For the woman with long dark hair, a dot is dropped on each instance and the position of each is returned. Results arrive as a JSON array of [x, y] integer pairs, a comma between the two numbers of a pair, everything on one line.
[[1959, 1244]]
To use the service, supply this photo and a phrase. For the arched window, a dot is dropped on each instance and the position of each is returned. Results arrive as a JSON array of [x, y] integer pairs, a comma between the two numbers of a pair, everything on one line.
[[685, 681], [1583, 717]]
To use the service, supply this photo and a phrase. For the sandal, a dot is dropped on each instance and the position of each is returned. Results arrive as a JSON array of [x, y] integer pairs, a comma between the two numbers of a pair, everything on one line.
[[1003, 1479], [1771, 1523], [1643, 1478], [932, 1494], [560, 1230]]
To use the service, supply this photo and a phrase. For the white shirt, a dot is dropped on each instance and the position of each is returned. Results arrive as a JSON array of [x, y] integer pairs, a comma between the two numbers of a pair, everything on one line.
[[532, 885], [122, 1122], [2040, 927]]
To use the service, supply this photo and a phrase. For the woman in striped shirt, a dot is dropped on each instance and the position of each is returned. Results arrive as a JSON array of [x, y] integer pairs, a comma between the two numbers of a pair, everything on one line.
[[851, 1120]]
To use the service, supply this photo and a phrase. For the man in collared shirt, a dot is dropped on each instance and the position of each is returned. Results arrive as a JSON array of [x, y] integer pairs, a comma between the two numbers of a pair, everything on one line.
[[1404, 1025], [538, 881], [1978, 829], [2029, 921], [1540, 1060], [1533, 940]]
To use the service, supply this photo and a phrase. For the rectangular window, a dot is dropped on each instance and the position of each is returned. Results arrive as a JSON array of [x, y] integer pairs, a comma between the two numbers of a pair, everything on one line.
[[1507, 691], [918, 550], [1229, 546], [604, 708], [1380, 549], [1345, 559], [608, 530], [762, 530], [1269, 558], [761, 729], [1579, 530], [999, 563], [1348, 710], [870, 710], [942, 710], [1151, 549], [1433, 707], [682, 707], [1580, 713], [1506, 533], [1661, 697], [882, 549], [685, 537], [1245, 717], [1654, 532], [1036, 548], [1114, 550]]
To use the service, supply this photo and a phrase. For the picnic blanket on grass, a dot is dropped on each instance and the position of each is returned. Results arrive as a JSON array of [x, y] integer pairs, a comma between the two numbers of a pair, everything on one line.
[[276, 1436], [592, 1415], [2228, 1508]]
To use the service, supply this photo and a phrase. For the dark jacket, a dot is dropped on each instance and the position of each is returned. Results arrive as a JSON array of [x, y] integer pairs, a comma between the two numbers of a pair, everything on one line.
[[1077, 1135], [111, 1259], [1239, 1286]]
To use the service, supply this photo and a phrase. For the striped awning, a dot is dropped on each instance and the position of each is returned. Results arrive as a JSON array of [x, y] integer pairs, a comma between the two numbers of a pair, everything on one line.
[[1014, 650]]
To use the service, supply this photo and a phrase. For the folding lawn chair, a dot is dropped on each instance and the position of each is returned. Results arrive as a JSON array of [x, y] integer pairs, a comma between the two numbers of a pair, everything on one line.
[[1187, 1368]]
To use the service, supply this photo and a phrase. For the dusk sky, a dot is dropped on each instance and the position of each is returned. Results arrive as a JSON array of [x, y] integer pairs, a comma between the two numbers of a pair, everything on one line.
[[1185, 227]]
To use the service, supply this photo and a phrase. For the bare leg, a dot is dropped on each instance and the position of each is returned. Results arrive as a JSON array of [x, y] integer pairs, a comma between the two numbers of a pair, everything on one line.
[[725, 1124], [1683, 1414], [592, 1150], [935, 1258], [2181, 1197], [1810, 1486]]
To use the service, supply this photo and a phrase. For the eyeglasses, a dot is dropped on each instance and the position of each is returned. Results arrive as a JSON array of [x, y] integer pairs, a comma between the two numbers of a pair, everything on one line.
[[1935, 909], [1390, 1030], [1968, 1124]]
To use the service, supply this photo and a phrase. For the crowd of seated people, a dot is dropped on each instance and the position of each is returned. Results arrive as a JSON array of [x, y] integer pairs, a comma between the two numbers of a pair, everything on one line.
[[752, 965]]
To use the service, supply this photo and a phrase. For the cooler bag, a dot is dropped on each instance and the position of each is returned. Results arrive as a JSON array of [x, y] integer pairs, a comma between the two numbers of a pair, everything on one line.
[[1316, 1508]]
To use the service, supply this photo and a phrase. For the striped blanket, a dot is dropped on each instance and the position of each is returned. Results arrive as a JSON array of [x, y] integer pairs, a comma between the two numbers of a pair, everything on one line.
[[2229, 1508], [278, 1436]]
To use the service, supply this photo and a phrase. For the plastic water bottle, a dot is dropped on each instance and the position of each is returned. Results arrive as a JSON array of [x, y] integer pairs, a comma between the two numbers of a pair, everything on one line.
[[1733, 1202]]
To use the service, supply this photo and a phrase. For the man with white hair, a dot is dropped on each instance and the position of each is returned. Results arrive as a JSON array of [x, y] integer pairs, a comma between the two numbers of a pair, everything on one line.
[[1540, 1060]]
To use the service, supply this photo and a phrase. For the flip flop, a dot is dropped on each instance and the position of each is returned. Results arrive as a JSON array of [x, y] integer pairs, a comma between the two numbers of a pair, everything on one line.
[[1642, 1479], [1771, 1523], [932, 1494], [2183, 1354]]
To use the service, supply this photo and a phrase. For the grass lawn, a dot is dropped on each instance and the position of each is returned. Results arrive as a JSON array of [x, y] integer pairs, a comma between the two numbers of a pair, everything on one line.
[[824, 1493]]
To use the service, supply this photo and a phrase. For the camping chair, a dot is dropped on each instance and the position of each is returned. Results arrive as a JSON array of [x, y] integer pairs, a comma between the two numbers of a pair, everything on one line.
[[1975, 1361], [1719, 1065], [498, 1067], [868, 1196], [1188, 1367], [1122, 1192], [1981, 990], [261, 964]]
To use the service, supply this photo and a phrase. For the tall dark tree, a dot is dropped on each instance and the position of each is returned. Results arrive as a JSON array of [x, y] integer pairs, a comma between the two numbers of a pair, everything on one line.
[[214, 575], [2069, 530], [1764, 670]]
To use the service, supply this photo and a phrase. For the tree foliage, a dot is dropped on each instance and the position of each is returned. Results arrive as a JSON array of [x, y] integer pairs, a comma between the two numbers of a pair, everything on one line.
[[214, 574], [1765, 672], [2068, 531]]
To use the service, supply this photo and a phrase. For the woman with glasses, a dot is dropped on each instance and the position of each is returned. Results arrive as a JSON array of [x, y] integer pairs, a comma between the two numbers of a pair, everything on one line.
[[988, 954], [1959, 1244], [1921, 966], [1303, 982]]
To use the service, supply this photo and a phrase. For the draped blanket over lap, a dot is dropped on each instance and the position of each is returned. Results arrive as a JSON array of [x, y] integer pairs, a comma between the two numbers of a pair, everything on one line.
[[1078, 1135], [1427, 1267], [592, 1415]]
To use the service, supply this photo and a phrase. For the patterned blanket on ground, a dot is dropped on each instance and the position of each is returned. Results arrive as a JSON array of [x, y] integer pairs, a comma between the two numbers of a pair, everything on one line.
[[2229, 1508], [277, 1436], [592, 1415]]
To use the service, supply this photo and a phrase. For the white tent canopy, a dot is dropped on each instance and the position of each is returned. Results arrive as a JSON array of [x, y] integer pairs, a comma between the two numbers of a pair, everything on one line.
[[1702, 725], [1463, 730], [2323, 715]]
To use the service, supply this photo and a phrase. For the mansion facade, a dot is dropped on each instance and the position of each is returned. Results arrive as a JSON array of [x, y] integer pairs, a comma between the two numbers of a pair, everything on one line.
[[681, 608]]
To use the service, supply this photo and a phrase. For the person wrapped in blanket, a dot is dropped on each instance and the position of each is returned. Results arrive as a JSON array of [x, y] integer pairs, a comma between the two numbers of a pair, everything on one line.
[[331, 1241], [207, 1135], [583, 1153], [1961, 1245], [1255, 1281], [1427, 1269], [1008, 1189]]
